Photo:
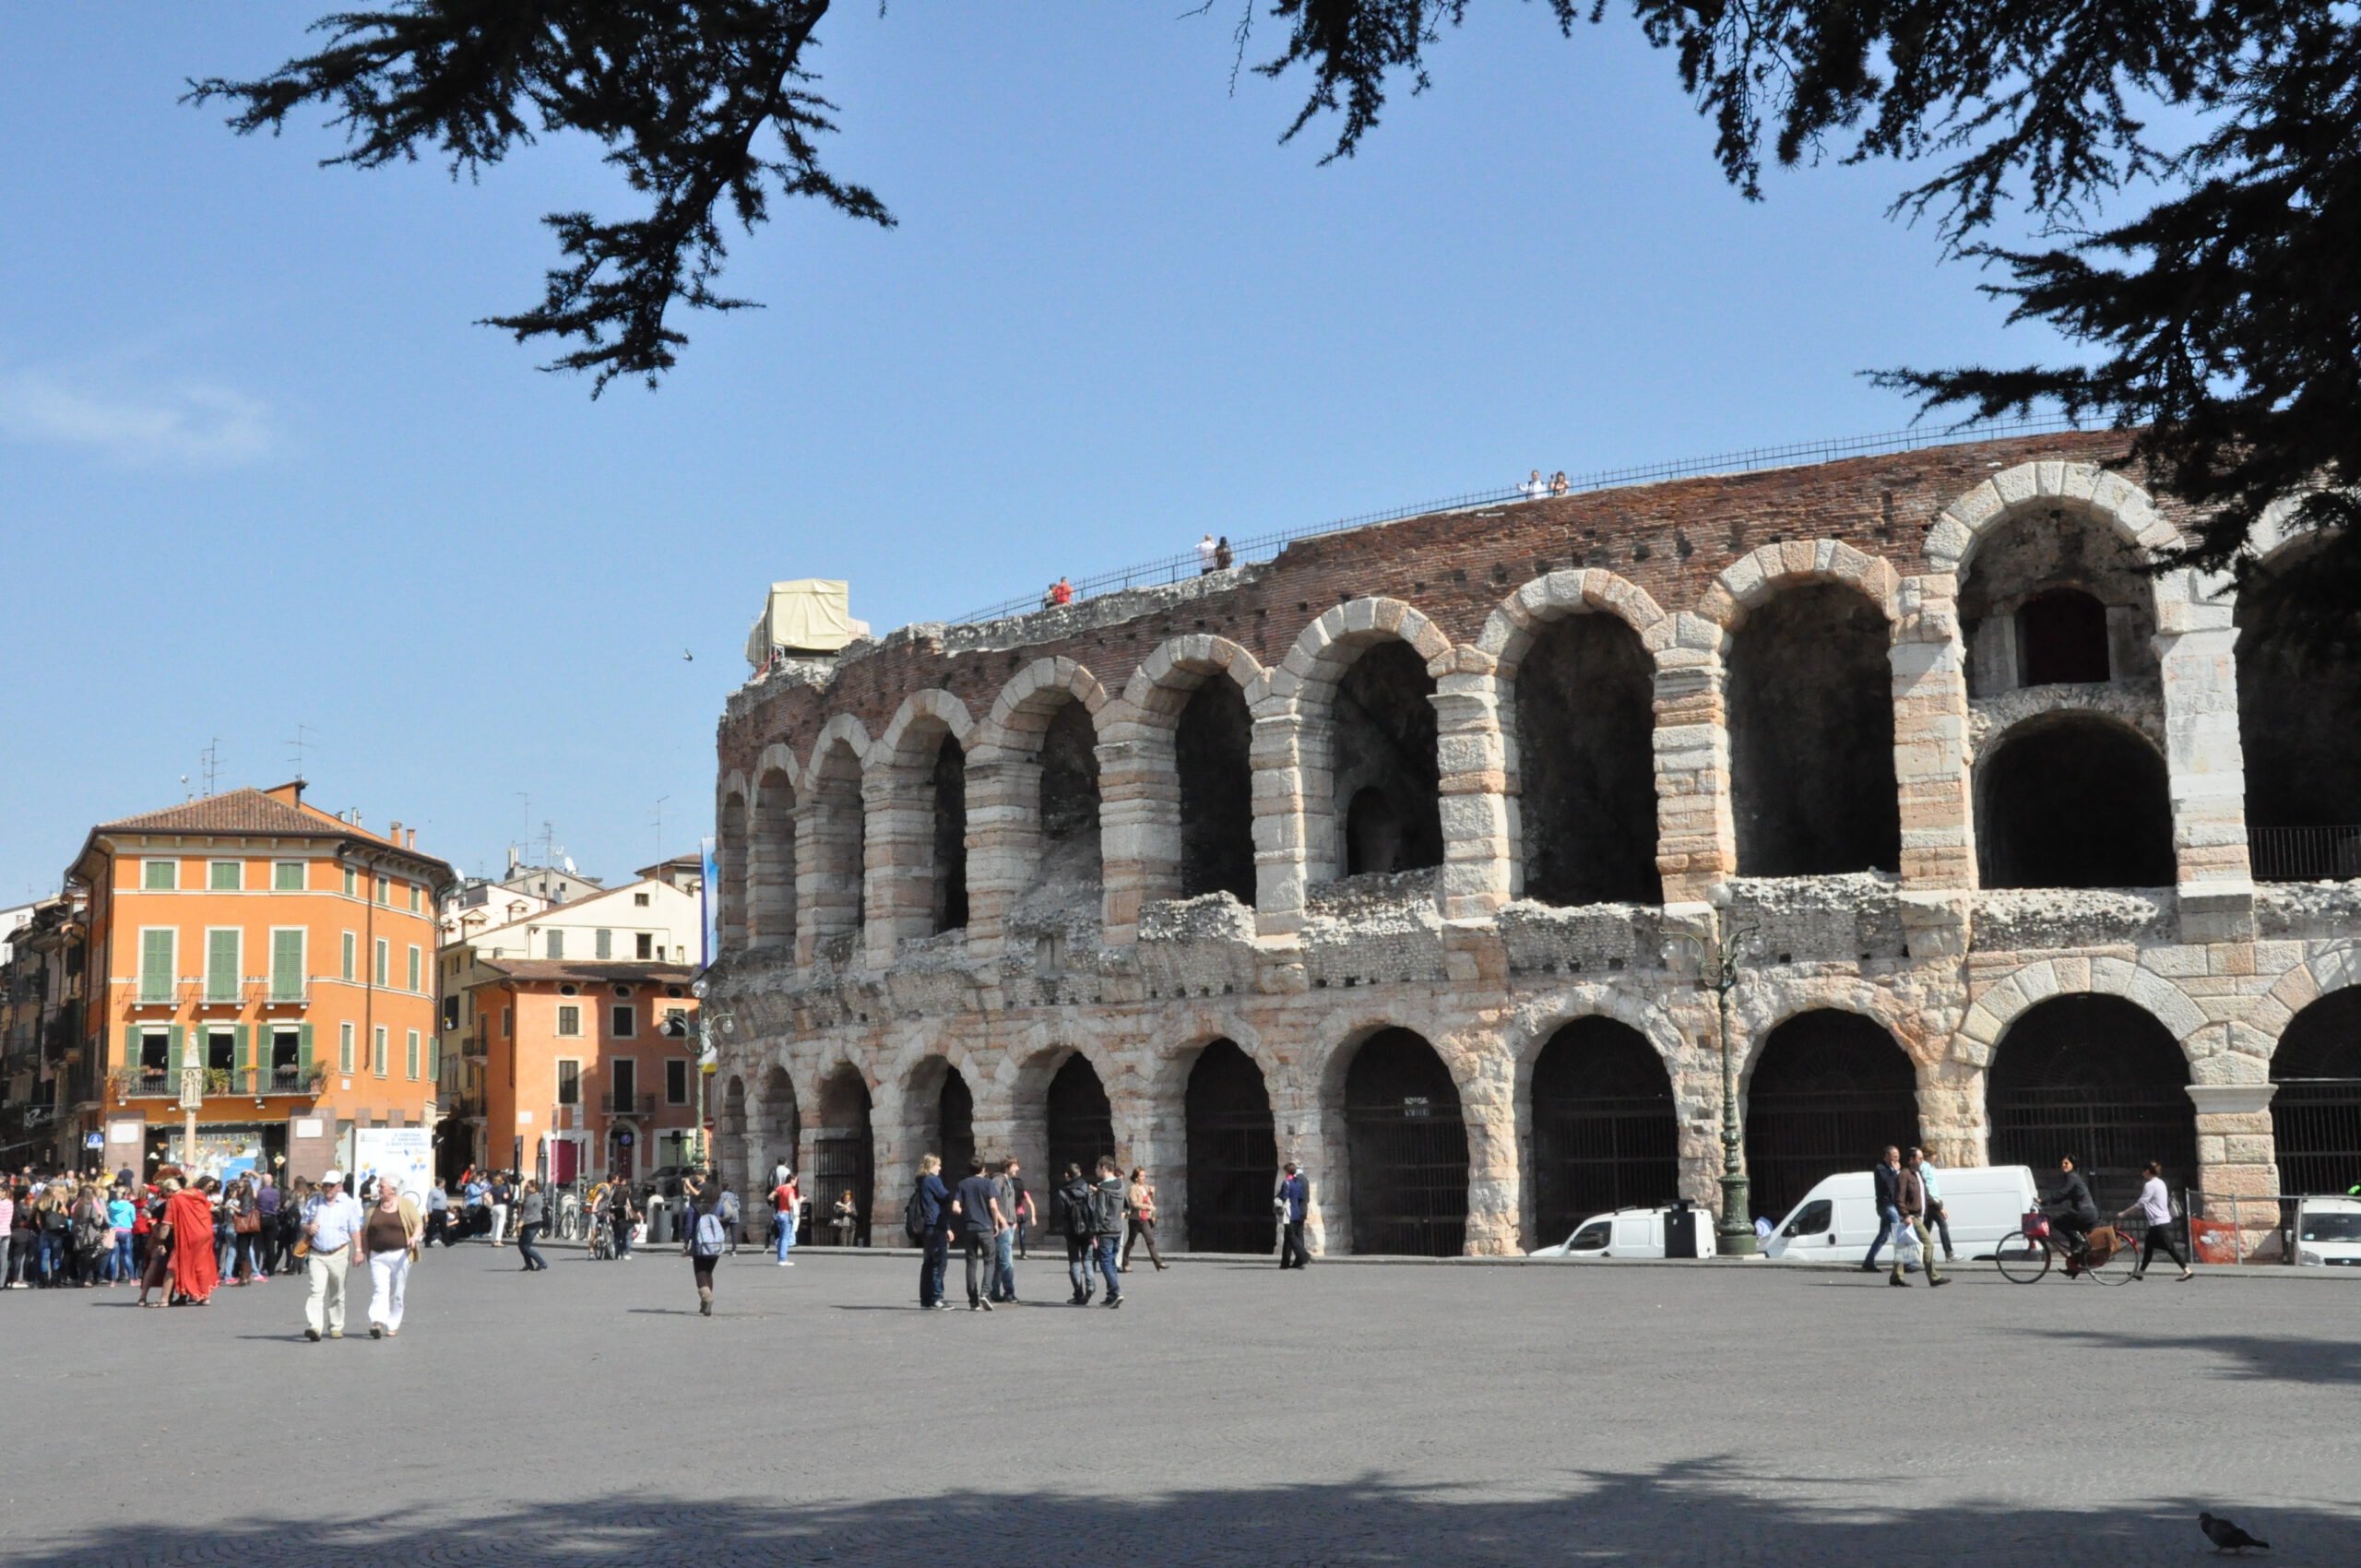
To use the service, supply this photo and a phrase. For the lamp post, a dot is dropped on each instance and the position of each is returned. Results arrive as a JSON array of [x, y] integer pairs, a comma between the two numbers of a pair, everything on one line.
[[1733, 1231]]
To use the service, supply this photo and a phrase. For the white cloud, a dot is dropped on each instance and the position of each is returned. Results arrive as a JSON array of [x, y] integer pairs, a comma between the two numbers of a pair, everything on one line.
[[192, 422]]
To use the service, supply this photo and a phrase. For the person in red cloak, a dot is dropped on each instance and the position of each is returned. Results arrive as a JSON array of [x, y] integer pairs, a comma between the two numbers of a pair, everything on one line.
[[190, 1214]]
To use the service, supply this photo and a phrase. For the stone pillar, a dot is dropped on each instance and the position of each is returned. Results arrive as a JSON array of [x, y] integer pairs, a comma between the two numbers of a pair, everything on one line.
[[1930, 768], [1139, 822], [1696, 836], [2237, 1154], [2195, 643], [1952, 1124], [897, 800], [1471, 759], [828, 870], [1003, 841], [1156, 1135], [1495, 1172], [1293, 821], [1313, 1136]]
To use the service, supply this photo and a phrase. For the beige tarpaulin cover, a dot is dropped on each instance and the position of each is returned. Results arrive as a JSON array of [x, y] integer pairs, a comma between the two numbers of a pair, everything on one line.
[[810, 613]]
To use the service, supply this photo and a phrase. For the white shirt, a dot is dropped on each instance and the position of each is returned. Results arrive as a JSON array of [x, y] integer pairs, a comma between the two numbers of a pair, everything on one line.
[[2154, 1202], [1205, 549], [333, 1222]]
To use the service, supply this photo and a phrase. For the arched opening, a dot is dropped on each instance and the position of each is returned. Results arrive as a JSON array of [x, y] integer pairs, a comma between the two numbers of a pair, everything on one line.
[[730, 855], [1811, 737], [2099, 1079], [770, 902], [2073, 799], [1384, 767], [1408, 1146], [1233, 1153], [1585, 727], [1081, 1122], [2316, 1111], [954, 1122], [1605, 1133], [949, 907], [1069, 798], [778, 1138], [843, 1156], [2055, 595], [1829, 1091], [729, 1140], [839, 838], [1212, 747], [2300, 725]]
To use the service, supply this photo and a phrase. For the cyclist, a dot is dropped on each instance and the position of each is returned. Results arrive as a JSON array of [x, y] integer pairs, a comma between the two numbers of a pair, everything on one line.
[[2071, 1212]]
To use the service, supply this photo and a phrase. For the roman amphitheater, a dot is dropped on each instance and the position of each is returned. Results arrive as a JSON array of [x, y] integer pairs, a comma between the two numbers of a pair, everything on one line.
[[1410, 855]]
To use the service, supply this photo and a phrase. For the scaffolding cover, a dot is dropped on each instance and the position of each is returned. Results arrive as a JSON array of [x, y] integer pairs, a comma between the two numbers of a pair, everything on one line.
[[810, 613]]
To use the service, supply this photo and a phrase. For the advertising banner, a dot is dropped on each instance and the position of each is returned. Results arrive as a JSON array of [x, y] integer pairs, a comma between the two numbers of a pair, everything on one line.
[[403, 1155]]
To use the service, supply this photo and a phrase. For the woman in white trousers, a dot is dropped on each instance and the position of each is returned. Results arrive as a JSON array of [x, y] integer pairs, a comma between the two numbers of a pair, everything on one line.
[[389, 1241]]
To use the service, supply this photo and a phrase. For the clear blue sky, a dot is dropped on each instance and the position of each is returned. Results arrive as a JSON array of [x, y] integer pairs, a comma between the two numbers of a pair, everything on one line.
[[257, 468]]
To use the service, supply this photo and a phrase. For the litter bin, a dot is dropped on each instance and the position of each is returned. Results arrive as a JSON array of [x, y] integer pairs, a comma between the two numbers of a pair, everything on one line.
[[1681, 1230], [659, 1222]]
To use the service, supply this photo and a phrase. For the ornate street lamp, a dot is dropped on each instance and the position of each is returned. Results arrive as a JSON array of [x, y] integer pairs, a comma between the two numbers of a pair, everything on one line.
[[1733, 1231]]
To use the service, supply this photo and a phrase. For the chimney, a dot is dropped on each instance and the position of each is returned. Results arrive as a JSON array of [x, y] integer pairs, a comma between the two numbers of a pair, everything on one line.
[[394, 833], [410, 842]]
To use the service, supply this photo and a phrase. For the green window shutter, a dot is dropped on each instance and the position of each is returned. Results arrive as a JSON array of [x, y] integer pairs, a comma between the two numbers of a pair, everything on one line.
[[415, 976], [221, 964], [410, 1056], [227, 876], [172, 1056], [304, 1050], [156, 965], [243, 1059], [434, 1059], [287, 965]]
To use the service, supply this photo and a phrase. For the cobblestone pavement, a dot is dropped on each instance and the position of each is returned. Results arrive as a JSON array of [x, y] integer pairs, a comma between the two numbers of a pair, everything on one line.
[[1226, 1415]]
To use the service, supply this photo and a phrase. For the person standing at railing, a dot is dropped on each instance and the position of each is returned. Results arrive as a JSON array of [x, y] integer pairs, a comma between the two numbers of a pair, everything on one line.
[[1061, 593], [1222, 556], [1207, 556]]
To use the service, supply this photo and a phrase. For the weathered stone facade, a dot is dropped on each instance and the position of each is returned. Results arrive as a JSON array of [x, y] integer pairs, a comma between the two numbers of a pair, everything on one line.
[[843, 1003]]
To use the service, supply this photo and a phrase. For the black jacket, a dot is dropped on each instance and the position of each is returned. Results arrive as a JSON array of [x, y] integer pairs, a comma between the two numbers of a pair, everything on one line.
[[2073, 1200], [1072, 1203], [1889, 1185]]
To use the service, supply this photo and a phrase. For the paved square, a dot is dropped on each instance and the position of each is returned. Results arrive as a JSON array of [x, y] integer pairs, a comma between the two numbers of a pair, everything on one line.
[[1226, 1415]]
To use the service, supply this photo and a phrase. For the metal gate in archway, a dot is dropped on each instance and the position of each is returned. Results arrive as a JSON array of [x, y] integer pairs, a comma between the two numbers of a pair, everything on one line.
[[1080, 1121], [1233, 1153], [2316, 1124], [842, 1161], [1408, 1147], [2111, 1132]]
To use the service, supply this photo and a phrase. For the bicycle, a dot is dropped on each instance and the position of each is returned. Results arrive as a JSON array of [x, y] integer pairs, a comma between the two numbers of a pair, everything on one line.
[[2025, 1255]]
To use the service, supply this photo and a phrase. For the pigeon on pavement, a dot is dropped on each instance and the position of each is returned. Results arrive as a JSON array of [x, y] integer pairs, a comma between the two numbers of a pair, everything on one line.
[[2227, 1536]]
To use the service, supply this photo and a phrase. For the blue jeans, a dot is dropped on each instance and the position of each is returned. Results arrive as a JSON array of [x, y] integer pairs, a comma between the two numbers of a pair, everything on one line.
[[1104, 1251], [120, 1259], [46, 1255], [933, 1263], [785, 1239], [1889, 1227], [1005, 1265]]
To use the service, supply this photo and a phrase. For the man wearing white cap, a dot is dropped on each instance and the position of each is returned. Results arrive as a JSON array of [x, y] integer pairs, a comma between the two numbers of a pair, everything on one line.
[[332, 1221]]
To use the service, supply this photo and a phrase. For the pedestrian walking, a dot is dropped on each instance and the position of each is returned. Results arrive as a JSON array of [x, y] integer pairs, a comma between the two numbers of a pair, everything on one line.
[[265, 1243], [1106, 1208], [623, 1213], [1292, 1201], [707, 1238], [7, 1235], [1938, 1218], [438, 1216], [979, 1220], [1026, 1216], [93, 1236], [238, 1206], [1886, 1179], [499, 1200], [1070, 1208], [332, 1225], [1139, 1213], [2155, 1204], [532, 1220], [926, 1220], [390, 1240], [728, 1205], [786, 1203], [1005, 1190], [1910, 1202]]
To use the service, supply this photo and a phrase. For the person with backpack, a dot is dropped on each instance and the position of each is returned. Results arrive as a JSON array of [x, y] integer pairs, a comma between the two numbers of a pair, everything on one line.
[[1070, 1206], [729, 1209], [1107, 1202], [708, 1237], [925, 1220]]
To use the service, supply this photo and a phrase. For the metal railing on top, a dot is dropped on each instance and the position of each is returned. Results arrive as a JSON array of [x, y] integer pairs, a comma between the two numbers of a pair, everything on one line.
[[1185, 565], [2305, 854]]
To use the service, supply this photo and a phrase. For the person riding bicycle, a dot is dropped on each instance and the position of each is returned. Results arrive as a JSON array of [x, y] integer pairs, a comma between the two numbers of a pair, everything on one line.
[[2071, 1212]]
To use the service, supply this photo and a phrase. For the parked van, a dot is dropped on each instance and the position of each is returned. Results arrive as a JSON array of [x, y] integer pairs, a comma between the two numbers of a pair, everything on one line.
[[2328, 1231], [1628, 1233], [1838, 1218]]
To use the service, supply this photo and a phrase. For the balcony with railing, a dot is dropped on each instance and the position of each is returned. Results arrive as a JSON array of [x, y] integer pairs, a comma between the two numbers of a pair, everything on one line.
[[2305, 854], [616, 1103], [162, 1083]]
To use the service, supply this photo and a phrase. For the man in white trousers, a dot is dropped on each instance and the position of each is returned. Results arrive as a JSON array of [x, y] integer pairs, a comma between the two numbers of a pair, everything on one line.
[[332, 1222]]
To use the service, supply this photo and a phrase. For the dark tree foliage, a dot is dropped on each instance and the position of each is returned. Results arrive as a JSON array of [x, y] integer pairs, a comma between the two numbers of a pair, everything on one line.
[[699, 104]]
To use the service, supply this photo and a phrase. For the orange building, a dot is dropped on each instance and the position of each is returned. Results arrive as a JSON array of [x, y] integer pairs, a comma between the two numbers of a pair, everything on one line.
[[283, 952]]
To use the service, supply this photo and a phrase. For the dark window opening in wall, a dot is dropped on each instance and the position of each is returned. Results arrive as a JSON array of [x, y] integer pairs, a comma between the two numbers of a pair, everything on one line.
[[1069, 799], [781, 1127], [1407, 1147], [1233, 1153], [2300, 725], [2099, 1079], [955, 1124], [950, 910], [733, 865], [2316, 1111], [843, 1157], [1081, 1122], [1384, 746], [1604, 1133], [1212, 751], [2073, 799], [1585, 725], [770, 868], [1829, 1091], [1811, 737], [676, 1082], [2063, 638]]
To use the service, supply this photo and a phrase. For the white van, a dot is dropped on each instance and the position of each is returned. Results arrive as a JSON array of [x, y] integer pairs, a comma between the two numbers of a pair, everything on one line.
[[1627, 1233], [2328, 1231], [1838, 1218]]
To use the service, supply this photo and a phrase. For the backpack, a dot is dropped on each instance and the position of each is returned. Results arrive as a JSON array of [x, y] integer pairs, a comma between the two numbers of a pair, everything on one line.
[[1106, 1208], [1077, 1200], [729, 1207], [914, 1223], [711, 1237]]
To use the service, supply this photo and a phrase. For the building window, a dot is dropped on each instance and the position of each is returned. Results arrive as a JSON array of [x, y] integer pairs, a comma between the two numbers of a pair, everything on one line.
[[676, 1082], [569, 1081], [603, 943], [224, 876], [640, 900], [622, 1020], [160, 876], [287, 876], [156, 964], [417, 968], [410, 1055], [221, 966], [507, 1021], [557, 945], [569, 1020], [384, 956], [434, 1060], [377, 1050], [385, 890], [352, 955], [625, 1073], [344, 1048], [352, 882], [450, 1012], [647, 945], [415, 893], [287, 963]]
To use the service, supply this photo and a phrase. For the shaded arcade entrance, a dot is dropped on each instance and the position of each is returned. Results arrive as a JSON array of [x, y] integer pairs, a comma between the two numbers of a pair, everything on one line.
[[1081, 1122], [843, 1155], [1407, 1147], [1604, 1135], [2098, 1078], [2315, 1113], [1828, 1093], [1233, 1153], [2073, 799]]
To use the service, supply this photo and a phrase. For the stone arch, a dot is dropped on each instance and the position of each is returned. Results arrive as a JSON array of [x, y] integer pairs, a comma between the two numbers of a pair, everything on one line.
[[771, 849], [1402, 1111], [1027, 698], [2109, 496], [2098, 1077], [2321, 972], [1176, 754], [844, 1148], [831, 893], [775, 1130], [1757, 577], [1034, 781], [2316, 1095], [730, 853], [1603, 1120], [1510, 629], [915, 785], [2299, 713], [1824, 1089], [2072, 800], [730, 1150], [1229, 1134], [938, 1103], [2000, 1005], [1696, 1100]]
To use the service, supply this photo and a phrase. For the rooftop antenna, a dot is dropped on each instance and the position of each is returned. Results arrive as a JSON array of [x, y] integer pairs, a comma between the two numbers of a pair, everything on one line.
[[209, 760], [299, 745], [526, 796], [660, 825], [186, 793]]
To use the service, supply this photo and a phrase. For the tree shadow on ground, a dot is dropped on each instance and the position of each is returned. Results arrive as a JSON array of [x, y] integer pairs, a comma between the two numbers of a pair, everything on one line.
[[1702, 1512], [2252, 1356]]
